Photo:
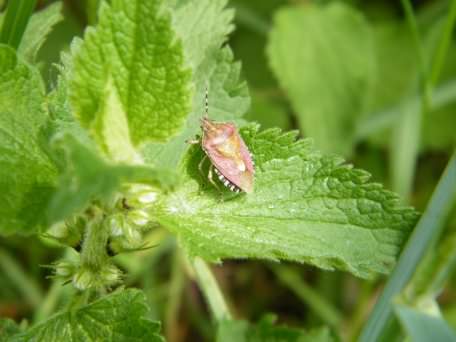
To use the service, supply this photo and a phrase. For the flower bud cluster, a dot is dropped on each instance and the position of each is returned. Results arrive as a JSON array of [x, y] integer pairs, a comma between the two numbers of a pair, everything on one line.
[[129, 223], [121, 226]]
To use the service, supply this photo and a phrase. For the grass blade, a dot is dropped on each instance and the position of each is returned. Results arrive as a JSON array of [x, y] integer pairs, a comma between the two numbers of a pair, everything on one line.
[[18, 13], [426, 232]]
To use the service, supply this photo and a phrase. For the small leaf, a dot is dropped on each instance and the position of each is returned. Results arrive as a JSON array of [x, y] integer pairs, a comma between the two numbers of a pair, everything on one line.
[[121, 316], [306, 207], [27, 176], [323, 58], [422, 327], [8, 328], [203, 26], [129, 72], [38, 28], [266, 331], [87, 177]]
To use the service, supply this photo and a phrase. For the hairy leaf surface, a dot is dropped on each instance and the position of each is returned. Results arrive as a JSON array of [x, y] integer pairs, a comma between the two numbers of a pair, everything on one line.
[[121, 316], [306, 207], [324, 59], [128, 83], [27, 176]]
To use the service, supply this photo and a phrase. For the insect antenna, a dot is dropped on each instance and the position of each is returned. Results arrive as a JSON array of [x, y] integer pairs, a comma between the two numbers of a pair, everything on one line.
[[206, 102]]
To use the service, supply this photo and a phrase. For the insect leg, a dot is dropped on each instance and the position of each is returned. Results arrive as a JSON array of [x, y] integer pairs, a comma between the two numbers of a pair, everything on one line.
[[210, 175], [200, 165]]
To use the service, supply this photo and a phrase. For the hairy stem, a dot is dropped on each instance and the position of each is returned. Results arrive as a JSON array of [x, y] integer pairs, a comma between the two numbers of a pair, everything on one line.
[[211, 290], [175, 296], [93, 254]]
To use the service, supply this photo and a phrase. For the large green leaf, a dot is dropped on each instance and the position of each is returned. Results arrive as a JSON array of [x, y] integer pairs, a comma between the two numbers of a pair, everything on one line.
[[121, 316], [323, 58], [203, 26], [306, 207], [27, 176], [128, 83], [266, 331]]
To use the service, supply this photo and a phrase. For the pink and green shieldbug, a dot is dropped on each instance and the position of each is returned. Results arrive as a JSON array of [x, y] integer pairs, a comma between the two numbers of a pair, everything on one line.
[[230, 158]]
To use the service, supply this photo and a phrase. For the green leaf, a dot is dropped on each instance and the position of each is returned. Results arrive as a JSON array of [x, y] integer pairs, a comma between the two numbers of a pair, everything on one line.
[[203, 26], [38, 28], [87, 177], [8, 328], [423, 327], [128, 82], [396, 63], [121, 316], [27, 176], [306, 207], [266, 331], [323, 58]]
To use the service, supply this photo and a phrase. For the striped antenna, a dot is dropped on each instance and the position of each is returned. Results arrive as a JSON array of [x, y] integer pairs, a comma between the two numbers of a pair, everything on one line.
[[207, 102]]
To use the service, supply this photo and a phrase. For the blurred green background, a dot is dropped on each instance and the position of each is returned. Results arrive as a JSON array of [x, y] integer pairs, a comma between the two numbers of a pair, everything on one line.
[[360, 59]]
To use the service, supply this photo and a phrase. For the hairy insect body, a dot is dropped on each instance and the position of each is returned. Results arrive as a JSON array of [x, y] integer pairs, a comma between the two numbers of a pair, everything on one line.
[[228, 153]]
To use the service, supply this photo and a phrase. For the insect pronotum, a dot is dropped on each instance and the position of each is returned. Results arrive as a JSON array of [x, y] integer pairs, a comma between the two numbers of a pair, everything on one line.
[[229, 156]]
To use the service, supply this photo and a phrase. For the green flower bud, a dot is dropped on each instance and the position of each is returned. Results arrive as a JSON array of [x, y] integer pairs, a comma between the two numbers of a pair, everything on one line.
[[86, 278], [140, 196], [83, 279], [69, 232], [138, 217], [64, 269]]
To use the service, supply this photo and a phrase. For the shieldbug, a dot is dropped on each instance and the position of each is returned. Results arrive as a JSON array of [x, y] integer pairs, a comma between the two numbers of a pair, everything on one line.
[[229, 156]]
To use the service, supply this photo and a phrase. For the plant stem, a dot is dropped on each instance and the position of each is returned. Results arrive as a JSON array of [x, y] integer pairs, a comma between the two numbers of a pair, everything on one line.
[[209, 286], [92, 11], [325, 310], [26, 285], [49, 302], [405, 141], [174, 296], [93, 253], [423, 237], [18, 13], [363, 306]]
